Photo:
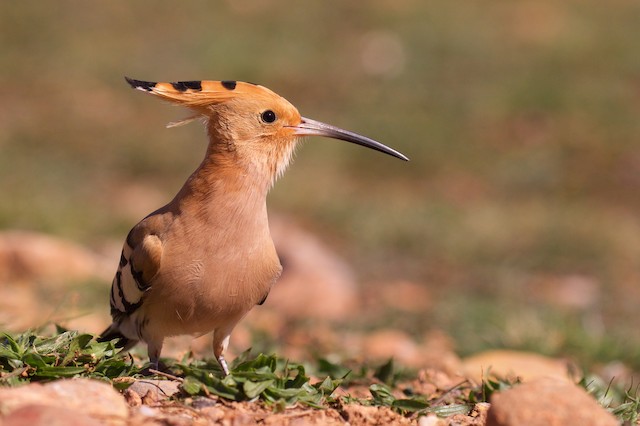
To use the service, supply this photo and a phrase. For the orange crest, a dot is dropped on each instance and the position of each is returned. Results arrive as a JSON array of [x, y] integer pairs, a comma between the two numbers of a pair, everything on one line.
[[201, 93]]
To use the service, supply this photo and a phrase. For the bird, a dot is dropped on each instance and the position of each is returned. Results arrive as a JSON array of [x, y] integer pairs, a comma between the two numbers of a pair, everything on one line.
[[201, 262]]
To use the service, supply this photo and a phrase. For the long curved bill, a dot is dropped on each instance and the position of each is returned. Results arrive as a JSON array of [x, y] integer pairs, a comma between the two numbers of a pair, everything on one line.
[[310, 127]]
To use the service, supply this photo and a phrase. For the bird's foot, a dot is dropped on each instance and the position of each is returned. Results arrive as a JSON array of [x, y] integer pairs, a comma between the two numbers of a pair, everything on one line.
[[223, 365], [151, 369]]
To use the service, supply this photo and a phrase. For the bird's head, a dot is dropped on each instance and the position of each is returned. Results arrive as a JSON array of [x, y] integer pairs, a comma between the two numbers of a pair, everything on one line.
[[250, 121]]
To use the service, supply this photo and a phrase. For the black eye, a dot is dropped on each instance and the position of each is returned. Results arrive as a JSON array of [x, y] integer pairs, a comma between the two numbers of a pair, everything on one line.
[[268, 116]]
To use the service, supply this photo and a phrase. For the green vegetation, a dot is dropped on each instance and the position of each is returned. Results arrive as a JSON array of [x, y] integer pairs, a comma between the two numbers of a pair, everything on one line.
[[29, 357], [268, 378], [520, 119], [623, 403], [275, 381]]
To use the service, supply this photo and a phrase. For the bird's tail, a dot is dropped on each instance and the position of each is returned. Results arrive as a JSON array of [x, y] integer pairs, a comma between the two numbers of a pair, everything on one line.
[[113, 332]]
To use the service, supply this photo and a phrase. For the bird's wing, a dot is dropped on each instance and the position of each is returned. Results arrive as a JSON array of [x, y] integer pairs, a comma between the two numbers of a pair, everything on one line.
[[139, 263]]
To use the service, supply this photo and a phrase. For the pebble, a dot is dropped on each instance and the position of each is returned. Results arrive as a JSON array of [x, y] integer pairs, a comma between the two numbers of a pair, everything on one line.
[[547, 402], [44, 415], [85, 397], [524, 366]]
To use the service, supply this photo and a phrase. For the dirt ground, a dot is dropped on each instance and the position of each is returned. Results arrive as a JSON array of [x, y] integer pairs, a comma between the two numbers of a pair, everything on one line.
[[210, 411]]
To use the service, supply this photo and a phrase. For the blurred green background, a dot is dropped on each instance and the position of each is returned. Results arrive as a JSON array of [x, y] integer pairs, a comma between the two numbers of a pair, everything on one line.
[[519, 208]]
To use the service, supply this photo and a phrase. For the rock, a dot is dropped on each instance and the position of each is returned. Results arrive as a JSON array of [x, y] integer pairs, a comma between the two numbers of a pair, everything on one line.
[[43, 415], [577, 292], [132, 398], [481, 411], [31, 262], [431, 420], [387, 343], [437, 351], [21, 307], [153, 391], [96, 399], [404, 296], [29, 256], [525, 366], [547, 402], [315, 282], [215, 414], [430, 382]]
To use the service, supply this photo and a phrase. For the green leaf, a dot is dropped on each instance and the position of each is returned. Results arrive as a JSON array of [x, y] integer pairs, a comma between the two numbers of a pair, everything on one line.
[[326, 367], [191, 385], [258, 374], [382, 395], [284, 393], [242, 358], [12, 346], [100, 350], [57, 372], [451, 409], [312, 400], [55, 344], [75, 348], [34, 360], [410, 405], [15, 363], [7, 353], [299, 380], [328, 386], [385, 372], [257, 363], [225, 389], [12, 381], [254, 389]]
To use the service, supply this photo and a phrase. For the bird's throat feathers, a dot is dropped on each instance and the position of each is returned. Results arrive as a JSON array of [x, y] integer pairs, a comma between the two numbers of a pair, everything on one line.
[[248, 156]]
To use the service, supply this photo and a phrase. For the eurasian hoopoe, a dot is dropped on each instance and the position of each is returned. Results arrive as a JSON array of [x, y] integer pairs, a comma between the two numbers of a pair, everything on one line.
[[201, 262]]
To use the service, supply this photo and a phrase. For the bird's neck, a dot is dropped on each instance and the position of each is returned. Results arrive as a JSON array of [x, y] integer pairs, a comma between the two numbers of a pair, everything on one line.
[[226, 185]]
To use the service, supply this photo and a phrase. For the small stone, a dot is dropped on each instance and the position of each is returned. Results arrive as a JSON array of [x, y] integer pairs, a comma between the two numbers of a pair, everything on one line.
[[94, 398], [29, 257], [215, 414], [152, 391], [43, 415], [203, 402], [405, 296], [524, 366], [315, 282], [547, 402], [146, 411], [481, 411], [437, 351], [387, 343], [132, 398], [430, 420]]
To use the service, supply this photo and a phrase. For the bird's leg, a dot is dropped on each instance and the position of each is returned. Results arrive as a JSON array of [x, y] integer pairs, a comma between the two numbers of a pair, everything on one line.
[[219, 346], [154, 347], [223, 364]]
